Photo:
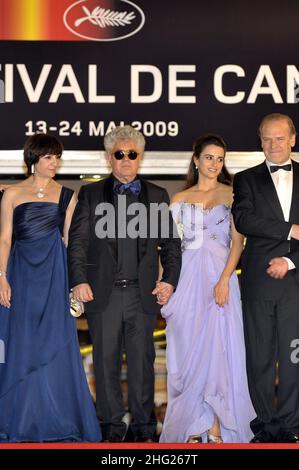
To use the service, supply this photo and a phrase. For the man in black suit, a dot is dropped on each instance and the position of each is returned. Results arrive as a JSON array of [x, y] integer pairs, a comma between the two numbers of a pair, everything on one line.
[[266, 211], [113, 265]]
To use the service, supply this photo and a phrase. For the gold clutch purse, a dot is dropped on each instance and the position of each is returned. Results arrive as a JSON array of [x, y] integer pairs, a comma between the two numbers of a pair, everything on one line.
[[76, 307]]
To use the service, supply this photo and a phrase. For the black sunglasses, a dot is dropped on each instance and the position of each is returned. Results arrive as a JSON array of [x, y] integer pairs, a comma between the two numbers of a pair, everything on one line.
[[119, 154]]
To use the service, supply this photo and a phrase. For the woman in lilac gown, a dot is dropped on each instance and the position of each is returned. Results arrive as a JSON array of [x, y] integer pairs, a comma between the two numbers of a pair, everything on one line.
[[44, 394], [208, 398]]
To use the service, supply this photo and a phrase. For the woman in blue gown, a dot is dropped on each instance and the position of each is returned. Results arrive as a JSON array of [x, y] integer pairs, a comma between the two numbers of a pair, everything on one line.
[[44, 395]]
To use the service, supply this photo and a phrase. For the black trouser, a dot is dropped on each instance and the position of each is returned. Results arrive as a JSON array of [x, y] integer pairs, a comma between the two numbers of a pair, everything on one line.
[[270, 327], [122, 325]]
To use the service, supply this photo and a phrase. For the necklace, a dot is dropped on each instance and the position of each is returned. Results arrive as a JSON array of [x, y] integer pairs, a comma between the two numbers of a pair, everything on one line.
[[40, 193]]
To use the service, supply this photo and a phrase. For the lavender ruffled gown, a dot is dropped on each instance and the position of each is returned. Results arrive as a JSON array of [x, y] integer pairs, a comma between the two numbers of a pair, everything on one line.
[[205, 343]]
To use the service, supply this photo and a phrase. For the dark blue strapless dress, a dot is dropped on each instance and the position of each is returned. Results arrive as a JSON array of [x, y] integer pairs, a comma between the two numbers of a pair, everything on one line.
[[44, 395]]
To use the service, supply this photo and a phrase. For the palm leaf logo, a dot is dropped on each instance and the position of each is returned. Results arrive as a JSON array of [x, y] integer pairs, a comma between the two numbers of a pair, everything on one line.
[[102, 17]]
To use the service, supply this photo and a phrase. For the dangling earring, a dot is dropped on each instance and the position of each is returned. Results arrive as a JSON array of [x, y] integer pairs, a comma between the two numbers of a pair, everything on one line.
[[196, 168], [32, 169]]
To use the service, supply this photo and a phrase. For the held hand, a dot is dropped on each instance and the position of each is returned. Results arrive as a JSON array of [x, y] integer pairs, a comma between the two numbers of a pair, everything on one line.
[[221, 292], [5, 292], [278, 268], [163, 291], [83, 292]]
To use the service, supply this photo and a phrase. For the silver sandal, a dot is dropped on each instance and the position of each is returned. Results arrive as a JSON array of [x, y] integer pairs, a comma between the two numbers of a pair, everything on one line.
[[194, 439], [213, 439]]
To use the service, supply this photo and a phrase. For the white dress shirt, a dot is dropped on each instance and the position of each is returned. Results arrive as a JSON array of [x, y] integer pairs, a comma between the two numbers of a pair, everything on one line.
[[283, 182]]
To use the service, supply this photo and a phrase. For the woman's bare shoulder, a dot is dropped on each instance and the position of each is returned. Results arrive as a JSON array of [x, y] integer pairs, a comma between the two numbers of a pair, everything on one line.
[[227, 188], [181, 196], [13, 189], [227, 193]]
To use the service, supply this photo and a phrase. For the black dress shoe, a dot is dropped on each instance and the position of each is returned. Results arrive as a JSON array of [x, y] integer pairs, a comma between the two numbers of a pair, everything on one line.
[[115, 438], [289, 437], [143, 439], [263, 437]]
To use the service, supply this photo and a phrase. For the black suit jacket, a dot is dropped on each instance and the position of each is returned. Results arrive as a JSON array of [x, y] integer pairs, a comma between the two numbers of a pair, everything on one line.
[[94, 260], [258, 215]]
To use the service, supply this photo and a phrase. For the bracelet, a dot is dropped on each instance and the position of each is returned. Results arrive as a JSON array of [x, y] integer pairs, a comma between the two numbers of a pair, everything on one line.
[[2, 273]]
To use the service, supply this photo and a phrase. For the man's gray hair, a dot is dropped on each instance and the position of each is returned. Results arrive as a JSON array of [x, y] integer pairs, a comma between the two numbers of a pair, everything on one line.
[[123, 133], [277, 117]]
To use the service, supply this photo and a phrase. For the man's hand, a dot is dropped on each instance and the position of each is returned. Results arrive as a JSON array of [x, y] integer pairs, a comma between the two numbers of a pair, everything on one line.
[[163, 291], [295, 231], [278, 268], [83, 292]]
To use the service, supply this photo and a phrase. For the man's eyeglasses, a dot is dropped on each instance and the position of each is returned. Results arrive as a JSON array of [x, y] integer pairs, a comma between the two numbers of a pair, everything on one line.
[[131, 154]]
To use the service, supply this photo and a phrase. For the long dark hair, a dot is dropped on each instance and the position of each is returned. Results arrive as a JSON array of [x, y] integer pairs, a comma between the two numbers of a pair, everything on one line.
[[198, 146]]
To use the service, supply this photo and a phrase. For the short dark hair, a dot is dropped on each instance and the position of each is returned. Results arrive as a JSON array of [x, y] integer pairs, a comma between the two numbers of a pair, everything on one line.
[[39, 145], [198, 146]]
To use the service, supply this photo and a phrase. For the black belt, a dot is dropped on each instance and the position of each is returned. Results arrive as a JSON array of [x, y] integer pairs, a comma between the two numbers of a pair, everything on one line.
[[126, 282]]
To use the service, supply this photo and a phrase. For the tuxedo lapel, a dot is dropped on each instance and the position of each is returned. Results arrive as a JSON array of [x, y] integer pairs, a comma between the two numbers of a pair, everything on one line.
[[294, 211], [108, 190], [108, 197], [144, 199], [267, 188]]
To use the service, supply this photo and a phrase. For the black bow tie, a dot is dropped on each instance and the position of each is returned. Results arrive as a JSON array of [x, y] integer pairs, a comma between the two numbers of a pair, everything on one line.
[[286, 167], [133, 186]]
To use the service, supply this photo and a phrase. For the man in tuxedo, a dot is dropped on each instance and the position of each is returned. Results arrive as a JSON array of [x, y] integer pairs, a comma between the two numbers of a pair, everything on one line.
[[115, 271], [266, 211]]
